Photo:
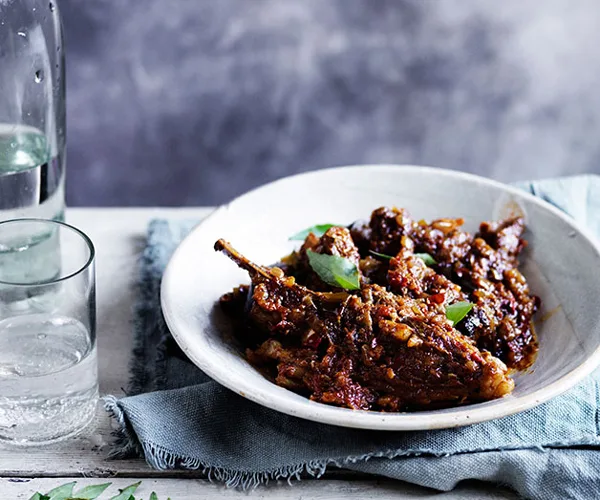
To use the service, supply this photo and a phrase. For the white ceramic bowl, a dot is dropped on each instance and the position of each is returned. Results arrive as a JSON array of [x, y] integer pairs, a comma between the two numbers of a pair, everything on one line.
[[562, 265]]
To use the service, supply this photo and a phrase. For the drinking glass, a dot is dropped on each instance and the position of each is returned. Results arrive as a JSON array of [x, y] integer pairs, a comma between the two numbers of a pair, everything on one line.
[[48, 363], [32, 110]]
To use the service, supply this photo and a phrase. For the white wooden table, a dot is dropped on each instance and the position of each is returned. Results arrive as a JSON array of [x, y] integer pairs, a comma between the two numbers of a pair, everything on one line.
[[119, 237]]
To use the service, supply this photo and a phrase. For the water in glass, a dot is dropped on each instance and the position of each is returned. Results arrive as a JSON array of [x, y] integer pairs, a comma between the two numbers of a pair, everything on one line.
[[31, 186], [48, 361], [31, 178], [48, 377]]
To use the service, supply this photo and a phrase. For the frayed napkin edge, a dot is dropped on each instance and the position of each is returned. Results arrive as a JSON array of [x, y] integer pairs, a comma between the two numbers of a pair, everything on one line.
[[127, 445]]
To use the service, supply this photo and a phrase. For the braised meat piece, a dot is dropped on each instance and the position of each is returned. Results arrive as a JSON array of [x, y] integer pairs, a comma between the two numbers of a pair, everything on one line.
[[373, 350], [400, 354], [413, 358], [501, 321], [276, 304], [408, 275], [387, 228], [387, 343], [483, 265]]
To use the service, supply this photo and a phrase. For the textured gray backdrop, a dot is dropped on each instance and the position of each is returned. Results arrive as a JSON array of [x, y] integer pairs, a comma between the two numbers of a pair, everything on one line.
[[191, 102]]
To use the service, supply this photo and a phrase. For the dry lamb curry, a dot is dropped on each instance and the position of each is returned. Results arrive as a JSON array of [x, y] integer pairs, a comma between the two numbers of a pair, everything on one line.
[[391, 314]]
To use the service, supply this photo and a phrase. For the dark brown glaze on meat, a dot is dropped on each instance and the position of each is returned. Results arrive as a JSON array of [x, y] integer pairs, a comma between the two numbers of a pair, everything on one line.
[[389, 345], [484, 266]]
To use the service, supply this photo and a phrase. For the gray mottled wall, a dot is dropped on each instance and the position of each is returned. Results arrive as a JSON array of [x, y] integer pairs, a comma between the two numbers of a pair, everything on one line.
[[192, 102]]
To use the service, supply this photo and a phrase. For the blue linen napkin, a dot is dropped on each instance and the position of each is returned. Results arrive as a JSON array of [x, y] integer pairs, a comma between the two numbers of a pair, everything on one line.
[[177, 417]]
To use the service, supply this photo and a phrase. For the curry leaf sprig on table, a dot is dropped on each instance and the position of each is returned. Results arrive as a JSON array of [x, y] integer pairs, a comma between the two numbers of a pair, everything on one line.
[[318, 230], [457, 311], [66, 492], [335, 270]]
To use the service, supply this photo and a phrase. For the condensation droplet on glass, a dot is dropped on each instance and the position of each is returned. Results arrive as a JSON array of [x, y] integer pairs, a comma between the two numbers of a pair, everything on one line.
[[51, 6], [22, 33], [41, 336], [39, 76]]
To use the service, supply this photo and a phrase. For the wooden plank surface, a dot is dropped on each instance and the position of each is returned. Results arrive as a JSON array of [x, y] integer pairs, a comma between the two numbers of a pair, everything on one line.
[[119, 237], [324, 489]]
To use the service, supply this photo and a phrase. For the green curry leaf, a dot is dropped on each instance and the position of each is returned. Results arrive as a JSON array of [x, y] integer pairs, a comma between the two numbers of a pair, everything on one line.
[[334, 270], [39, 496], [127, 493], [382, 255], [457, 311], [91, 492], [61, 492], [426, 258]]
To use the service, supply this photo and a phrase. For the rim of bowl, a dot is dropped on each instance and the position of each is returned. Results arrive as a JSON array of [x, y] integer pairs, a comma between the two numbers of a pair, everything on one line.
[[455, 417]]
